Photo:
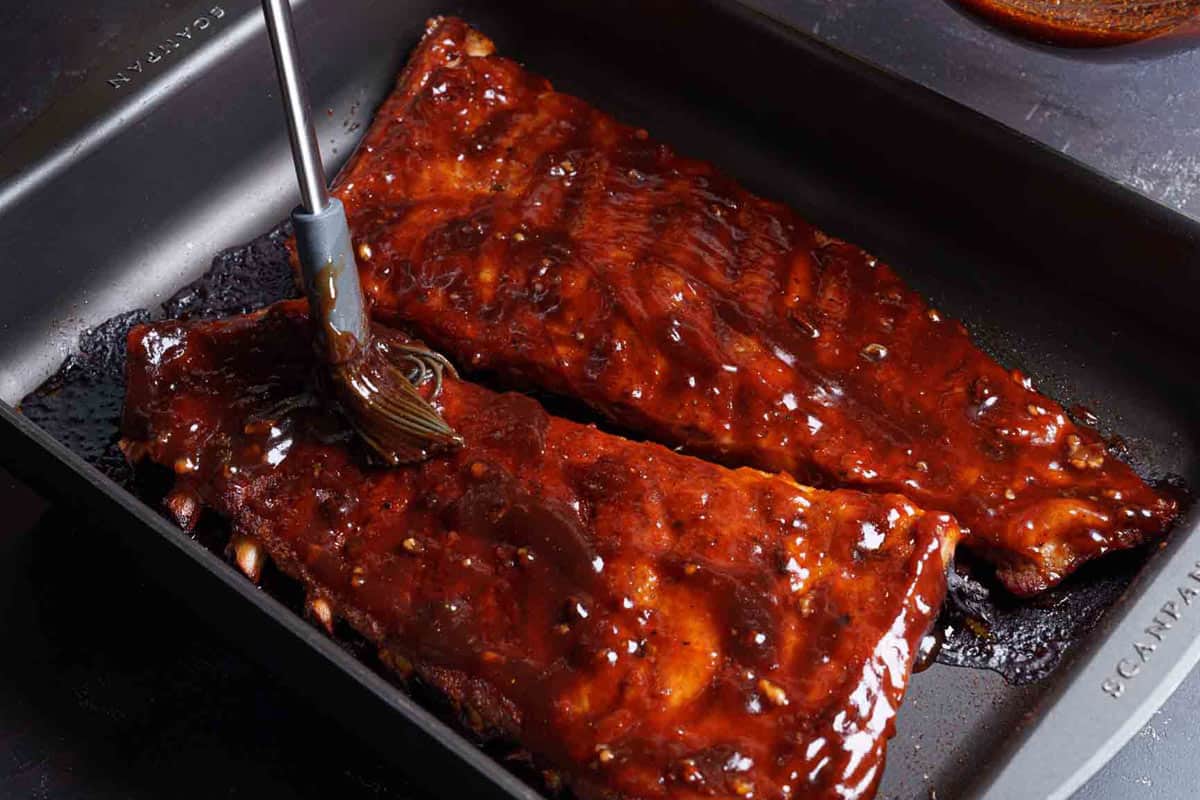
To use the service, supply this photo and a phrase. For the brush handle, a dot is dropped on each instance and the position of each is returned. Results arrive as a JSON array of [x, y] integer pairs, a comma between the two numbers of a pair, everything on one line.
[[331, 280], [310, 172]]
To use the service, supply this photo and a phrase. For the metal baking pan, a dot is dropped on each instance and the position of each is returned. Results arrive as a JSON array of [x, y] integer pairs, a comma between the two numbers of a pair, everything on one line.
[[121, 195]]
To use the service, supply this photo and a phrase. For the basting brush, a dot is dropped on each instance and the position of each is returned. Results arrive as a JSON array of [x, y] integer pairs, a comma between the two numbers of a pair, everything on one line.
[[372, 381]]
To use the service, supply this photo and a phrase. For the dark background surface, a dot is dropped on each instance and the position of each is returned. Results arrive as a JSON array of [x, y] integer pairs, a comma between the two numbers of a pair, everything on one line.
[[109, 688]]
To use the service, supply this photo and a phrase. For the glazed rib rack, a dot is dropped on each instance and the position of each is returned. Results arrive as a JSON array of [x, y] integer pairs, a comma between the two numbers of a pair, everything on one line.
[[523, 232], [642, 622]]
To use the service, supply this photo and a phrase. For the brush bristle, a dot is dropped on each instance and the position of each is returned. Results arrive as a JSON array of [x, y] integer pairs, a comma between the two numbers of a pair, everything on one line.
[[386, 405]]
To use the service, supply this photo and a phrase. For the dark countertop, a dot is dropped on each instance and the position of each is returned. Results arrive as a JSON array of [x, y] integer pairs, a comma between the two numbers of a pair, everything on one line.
[[1131, 112], [111, 689]]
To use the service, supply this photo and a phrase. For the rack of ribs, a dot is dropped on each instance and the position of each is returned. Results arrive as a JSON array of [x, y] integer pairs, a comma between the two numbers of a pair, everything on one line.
[[527, 234], [646, 624]]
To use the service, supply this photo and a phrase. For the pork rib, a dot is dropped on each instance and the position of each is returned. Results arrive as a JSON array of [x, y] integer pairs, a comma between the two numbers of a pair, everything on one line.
[[524, 232], [645, 623]]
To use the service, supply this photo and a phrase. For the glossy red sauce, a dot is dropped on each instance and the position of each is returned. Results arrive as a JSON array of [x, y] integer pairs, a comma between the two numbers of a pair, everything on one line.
[[645, 623], [522, 231]]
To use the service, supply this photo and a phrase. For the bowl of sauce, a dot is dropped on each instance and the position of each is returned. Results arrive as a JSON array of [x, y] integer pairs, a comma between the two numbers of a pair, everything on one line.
[[1090, 23]]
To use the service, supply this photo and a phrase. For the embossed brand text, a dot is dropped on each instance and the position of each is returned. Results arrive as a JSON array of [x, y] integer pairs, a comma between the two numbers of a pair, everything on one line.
[[181, 38], [1155, 633]]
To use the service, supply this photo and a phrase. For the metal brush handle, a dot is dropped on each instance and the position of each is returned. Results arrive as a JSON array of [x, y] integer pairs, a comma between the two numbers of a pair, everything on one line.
[[1145, 646], [322, 233], [310, 172]]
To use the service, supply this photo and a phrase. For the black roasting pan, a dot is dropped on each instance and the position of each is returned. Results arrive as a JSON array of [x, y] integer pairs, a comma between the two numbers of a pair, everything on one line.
[[123, 194]]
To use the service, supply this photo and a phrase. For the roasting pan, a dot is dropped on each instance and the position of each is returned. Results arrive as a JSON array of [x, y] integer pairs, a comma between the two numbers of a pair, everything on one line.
[[115, 199]]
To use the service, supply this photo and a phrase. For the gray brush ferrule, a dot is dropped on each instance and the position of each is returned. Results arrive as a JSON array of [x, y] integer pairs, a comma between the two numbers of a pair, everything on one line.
[[331, 280]]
